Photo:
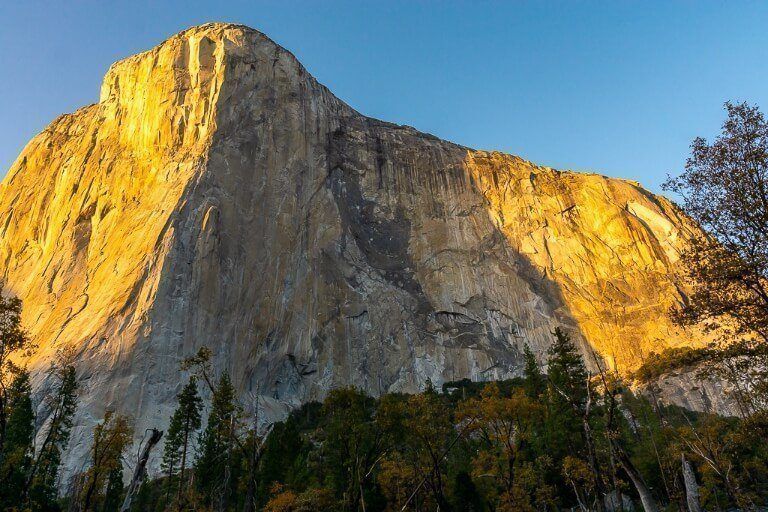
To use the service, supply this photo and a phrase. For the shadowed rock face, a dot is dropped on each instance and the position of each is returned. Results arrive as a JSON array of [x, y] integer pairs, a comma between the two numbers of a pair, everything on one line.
[[218, 195]]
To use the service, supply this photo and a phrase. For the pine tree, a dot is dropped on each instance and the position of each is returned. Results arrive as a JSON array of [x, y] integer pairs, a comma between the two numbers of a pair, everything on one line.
[[61, 402], [184, 423], [570, 389], [13, 340], [566, 376], [535, 385], [216, 460], [16, 456], [565, 369]]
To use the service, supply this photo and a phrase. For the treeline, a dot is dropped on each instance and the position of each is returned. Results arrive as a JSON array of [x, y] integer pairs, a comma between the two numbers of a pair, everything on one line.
[[567, 439], [656, 365], [561, 440]]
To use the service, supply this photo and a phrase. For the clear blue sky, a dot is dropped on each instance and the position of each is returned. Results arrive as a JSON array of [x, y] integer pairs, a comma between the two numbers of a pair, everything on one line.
[[615, 87]]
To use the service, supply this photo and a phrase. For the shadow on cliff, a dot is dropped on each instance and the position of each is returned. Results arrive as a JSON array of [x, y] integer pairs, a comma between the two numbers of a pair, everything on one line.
[[370, 160], [375, 172]]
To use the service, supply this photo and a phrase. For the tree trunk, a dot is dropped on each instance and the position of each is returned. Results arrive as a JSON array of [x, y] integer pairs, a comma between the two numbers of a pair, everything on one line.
[[596, 473], [40, 454], [250, 503], [140, 471], [2, 420], [582, 507], [225, 487], [90, 491], [74, 491], [168, 485], [360, 485], [250, 495], [691, 487], [183, 464], [436, 484], [646, 498], [614, 481]]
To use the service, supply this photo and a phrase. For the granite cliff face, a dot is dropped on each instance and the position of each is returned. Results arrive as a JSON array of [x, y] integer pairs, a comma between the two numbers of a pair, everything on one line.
[[218, 195]]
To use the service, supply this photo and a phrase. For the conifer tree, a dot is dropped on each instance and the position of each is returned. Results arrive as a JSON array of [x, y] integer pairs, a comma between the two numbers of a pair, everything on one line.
[[566, 376], [16, 456], [184, 423], [216, 460], [565, 369], [570, 388], [535, 384], [13, 340], [61, 402]]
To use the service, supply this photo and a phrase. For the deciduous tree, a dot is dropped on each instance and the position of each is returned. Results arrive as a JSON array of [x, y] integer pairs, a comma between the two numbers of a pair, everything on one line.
[[503, 424], [111, 439], [724, 188]]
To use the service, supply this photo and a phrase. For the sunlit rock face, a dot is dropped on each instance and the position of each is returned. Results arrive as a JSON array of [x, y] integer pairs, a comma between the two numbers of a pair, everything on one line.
[[218, 195]]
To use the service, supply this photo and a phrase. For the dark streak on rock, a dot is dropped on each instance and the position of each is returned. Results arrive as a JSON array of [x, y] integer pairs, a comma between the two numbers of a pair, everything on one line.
[[384, 242]]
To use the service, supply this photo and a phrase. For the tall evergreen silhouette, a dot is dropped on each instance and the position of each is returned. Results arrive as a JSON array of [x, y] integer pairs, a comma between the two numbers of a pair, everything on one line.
[[565, 369], [216, 461], [61, 403], [535, 383], [185, 422], [13, 341], [16, 455]]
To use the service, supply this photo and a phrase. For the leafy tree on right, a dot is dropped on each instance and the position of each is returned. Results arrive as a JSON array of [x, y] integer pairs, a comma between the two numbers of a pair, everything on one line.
[[724, 188]]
